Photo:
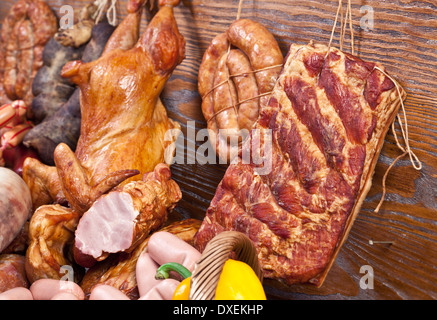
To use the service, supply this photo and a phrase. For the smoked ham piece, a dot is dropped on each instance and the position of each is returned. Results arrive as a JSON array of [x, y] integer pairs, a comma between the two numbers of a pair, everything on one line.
[[328, 114], [123, 218]]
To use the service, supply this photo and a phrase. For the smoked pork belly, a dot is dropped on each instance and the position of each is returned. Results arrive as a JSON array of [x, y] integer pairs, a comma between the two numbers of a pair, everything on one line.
[[328, 114]]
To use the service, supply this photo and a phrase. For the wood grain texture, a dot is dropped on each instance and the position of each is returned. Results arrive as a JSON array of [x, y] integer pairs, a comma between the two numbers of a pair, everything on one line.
[[404, 40]]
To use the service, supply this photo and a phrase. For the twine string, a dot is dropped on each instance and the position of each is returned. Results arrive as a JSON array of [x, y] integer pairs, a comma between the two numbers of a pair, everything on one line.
[[403, 124], [417, 164], [111, 12], [238, 103], [348, 18]]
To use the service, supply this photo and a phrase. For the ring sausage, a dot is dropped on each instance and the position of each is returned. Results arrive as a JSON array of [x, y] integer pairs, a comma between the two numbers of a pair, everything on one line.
[[261, 48], [246, 86], [225, 100], [207, 70], [232, 106]]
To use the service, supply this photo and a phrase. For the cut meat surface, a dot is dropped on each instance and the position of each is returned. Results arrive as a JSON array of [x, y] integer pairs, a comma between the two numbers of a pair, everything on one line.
[[328, 114], [123, 218], [109, 222]]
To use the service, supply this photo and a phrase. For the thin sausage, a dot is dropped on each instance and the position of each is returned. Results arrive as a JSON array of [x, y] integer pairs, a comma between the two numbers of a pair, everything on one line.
[[14, 136], [12, 114]]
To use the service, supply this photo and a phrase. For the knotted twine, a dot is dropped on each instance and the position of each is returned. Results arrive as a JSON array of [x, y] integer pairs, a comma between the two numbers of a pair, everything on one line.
[[111, 12]]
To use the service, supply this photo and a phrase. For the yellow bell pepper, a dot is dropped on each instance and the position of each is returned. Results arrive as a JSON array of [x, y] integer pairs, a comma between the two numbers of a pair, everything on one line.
[[182, 292], [237, 281]]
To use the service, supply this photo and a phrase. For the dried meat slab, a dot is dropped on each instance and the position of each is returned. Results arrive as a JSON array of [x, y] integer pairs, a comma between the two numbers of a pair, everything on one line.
[[328, 115]]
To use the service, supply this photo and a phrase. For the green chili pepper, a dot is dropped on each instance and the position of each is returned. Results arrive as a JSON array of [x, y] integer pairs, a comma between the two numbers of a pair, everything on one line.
[[164, 270]]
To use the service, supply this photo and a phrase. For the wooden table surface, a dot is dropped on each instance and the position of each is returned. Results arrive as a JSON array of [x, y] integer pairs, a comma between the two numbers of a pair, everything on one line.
[[404, 40]]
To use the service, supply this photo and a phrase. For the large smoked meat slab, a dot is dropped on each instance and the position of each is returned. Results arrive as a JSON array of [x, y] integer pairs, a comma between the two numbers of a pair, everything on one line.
[[329, 113]]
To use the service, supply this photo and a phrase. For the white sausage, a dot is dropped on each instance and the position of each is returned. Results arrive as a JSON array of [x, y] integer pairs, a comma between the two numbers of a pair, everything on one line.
[[46, 289], [165, 247], [15, 206], [64, 295], [107, 292], [145, 273], [18, 293], [162, 291]]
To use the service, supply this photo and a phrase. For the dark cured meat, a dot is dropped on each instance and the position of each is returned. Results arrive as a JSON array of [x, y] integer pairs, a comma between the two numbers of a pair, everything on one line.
[[329, 114]]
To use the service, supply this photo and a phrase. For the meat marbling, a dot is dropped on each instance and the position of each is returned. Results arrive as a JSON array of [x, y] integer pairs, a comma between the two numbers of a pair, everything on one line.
[[328, 115]]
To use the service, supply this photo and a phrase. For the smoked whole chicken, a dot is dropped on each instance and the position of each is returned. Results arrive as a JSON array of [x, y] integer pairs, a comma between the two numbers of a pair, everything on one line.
[[123, 119]]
